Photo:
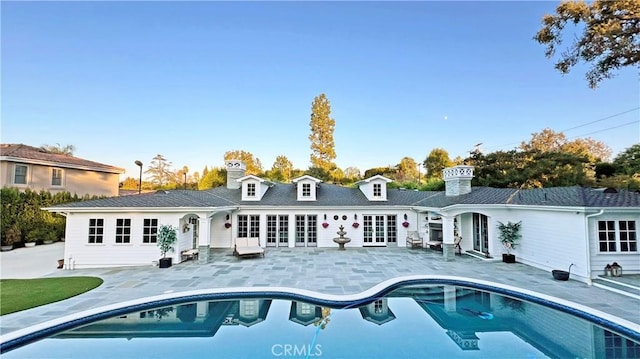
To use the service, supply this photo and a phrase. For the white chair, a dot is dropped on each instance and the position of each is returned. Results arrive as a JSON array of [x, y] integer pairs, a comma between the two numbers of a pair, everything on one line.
[[414, 240]]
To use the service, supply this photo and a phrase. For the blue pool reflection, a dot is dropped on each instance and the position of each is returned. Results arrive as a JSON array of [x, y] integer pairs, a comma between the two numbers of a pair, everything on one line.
[[435, 321]]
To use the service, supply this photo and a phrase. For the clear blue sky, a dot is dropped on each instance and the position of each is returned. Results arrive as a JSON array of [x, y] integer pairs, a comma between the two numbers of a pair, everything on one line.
[[124, 81]]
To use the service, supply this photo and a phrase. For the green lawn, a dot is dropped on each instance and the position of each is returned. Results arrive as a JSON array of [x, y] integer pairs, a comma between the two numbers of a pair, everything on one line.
[[21, 294]]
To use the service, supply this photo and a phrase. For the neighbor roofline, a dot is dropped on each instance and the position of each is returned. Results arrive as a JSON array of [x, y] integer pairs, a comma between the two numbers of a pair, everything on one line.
[[107, 168]]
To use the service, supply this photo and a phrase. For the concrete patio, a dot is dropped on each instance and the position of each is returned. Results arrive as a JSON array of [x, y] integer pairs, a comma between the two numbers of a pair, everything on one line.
[[325, 270]]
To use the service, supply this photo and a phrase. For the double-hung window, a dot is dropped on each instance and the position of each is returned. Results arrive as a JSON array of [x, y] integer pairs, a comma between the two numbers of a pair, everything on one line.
[[123, 230], [251, 189], [20, 174], [150, 230], [306, 190], [56, 177], [96, 230], [617, 236], [377, 190]]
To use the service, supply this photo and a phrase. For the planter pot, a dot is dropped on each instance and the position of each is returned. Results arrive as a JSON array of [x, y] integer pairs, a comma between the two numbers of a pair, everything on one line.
[[560, 274], [30, 244], [508, 258], [6, 248], [165, 262], [47, 242]]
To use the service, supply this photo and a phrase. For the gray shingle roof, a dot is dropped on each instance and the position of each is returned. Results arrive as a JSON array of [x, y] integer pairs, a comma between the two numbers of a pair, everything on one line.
[[332, 195], [20, 151]]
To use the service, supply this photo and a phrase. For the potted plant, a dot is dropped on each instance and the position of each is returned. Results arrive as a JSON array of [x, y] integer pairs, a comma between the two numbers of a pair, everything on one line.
[[39, 234], [10, 237], [355, 225], [167, 238], [509, 236]]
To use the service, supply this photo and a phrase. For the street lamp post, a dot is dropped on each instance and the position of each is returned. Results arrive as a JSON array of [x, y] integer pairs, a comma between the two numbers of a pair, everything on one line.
[[185, 169], [139, 164]]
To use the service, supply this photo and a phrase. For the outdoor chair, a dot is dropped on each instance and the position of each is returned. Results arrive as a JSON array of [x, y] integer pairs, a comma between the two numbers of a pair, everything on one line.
[[414, 240], [246, 247]]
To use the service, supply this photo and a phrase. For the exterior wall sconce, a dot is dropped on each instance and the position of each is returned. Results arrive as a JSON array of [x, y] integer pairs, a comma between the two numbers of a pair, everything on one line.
[[227, 217], [405, 217], [355, 216]]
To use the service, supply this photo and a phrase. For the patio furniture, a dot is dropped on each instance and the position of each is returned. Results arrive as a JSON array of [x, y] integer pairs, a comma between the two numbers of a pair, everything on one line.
[[435, 243], [191, 254], [246, 247], [414, 240]]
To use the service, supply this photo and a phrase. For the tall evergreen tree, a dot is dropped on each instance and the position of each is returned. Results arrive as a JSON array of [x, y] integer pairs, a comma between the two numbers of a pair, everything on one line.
[[159, 170], [322, 126]]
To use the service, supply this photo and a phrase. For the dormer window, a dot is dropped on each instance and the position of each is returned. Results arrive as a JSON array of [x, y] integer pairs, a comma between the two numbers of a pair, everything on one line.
[[251, 189], [377, 190], [306, 190]]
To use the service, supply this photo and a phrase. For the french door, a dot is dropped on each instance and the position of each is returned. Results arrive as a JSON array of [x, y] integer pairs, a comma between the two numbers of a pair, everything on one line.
[[379, 230], [306, 230], [277, 230], [480, 233]]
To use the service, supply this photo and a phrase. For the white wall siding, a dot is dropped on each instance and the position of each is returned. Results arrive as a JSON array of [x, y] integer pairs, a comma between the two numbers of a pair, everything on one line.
[[629, 261], [550, 239], [81, 254]]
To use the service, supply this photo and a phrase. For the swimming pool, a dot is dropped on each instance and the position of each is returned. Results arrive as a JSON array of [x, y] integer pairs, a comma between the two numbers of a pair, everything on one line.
[[420, 316]]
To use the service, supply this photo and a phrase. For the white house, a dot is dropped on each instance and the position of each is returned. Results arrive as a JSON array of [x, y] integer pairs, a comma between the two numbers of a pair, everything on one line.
[[560, 226]]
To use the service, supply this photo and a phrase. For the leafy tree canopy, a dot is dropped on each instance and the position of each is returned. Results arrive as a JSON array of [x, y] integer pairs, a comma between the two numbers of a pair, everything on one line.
[[610, 38], [407, 170], [628, 161], [437, 160], [550, 141], [254, 166], [57, 149]]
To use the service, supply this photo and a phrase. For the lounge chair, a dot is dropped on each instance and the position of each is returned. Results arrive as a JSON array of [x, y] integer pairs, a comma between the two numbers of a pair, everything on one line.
[[435, 244], [414, 240], [245, 247]]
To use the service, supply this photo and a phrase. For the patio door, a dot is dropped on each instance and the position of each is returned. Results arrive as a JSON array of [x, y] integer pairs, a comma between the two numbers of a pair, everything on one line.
[[376, 232], [306, 230], [480, 233], [278, 230]]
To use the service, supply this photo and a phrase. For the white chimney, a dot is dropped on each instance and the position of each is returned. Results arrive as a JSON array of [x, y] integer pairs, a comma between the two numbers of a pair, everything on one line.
[[235, 169], [457, 180]]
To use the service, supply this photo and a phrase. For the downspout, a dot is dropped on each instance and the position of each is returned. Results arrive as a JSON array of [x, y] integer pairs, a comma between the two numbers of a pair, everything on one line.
[[586, 232]]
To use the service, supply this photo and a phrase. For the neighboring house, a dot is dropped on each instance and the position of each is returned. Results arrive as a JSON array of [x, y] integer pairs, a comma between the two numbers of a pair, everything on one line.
[[560, 226], [34, 168]]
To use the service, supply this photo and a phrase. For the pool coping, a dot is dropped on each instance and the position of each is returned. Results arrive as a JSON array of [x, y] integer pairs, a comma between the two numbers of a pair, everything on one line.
[[36, 332]]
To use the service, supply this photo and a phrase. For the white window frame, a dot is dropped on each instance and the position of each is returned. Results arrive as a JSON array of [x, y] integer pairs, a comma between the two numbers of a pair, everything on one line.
[[53, 171], [377, 190], [251, 189], [123, 231], [26, 174], [150, 231], [95, 233], [306, 190], [613, 236]]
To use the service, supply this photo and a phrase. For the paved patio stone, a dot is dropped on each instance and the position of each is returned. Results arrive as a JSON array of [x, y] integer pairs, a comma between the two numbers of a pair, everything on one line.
[[317, 269]]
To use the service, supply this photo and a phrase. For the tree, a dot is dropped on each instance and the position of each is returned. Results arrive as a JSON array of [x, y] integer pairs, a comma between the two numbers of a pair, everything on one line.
[[159, 170], [352, 174], [254, 166], [628, 161], [214, 178], [550, 141], [57, 149], [609, 41], [437, 160], [322, 126], [407, 170], [282, 169]]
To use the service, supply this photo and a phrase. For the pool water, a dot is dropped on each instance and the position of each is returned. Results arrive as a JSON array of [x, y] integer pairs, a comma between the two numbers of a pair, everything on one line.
[[415, 320]]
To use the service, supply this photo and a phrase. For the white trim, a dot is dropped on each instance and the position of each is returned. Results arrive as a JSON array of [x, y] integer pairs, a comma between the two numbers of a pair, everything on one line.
[[116, 170]]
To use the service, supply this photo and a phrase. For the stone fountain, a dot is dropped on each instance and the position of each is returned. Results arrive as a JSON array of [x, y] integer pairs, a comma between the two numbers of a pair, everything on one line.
[[342, 240]]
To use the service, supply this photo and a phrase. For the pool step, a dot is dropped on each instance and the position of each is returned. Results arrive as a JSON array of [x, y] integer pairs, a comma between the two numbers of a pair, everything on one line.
[[617, 287]]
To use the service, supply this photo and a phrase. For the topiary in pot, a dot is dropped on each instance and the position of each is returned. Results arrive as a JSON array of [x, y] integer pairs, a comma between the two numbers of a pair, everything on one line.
[[509, 236], [167, 238]]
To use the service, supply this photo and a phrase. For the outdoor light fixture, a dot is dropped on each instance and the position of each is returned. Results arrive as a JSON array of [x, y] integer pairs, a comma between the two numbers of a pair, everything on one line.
[[139, 164]]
